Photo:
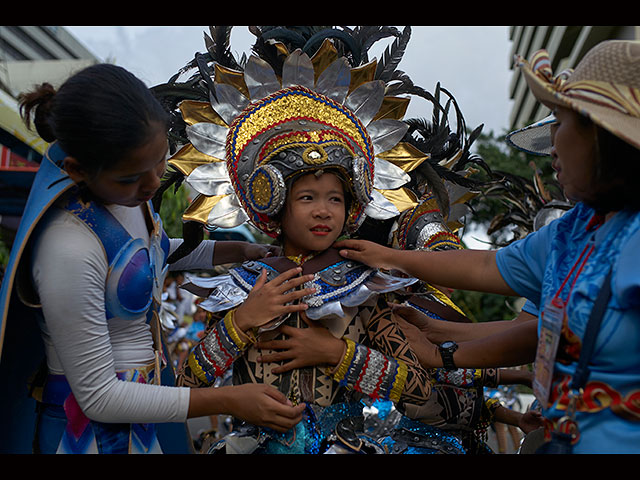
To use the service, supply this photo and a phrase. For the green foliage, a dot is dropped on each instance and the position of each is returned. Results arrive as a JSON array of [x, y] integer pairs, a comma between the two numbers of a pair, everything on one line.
[[482, 307], [174, 203], [504, 159], [485, 307]]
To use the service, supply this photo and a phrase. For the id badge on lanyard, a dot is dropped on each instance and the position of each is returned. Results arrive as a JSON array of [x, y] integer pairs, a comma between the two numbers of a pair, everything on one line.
[[548, 341], [552, 319]]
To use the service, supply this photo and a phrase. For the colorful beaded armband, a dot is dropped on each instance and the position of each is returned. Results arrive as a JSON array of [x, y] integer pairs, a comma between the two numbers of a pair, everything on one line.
[[369, 372], [218, 350], [461, 377]]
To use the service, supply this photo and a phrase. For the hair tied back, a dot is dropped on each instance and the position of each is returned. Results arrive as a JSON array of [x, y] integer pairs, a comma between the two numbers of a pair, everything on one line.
[[38, 104]]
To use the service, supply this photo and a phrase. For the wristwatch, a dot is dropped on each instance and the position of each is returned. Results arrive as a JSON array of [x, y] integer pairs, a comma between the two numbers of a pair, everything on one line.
[[446, 352]]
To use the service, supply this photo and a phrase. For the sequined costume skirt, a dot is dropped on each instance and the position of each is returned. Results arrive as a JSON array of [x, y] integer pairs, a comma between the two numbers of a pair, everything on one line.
[[345, 428], [62, 427]]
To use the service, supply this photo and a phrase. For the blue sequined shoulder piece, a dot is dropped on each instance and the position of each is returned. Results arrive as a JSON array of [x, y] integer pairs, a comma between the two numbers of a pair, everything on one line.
[[338, 281], [246, 275]]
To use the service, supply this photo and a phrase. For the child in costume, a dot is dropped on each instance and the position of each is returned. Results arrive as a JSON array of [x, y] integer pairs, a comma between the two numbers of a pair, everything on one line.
[[262, 138]]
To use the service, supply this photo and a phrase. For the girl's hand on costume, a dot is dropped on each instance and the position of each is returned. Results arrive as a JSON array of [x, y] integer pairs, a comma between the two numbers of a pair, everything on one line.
[[263, 405], [303, 347], [366, 252], [269, 300]]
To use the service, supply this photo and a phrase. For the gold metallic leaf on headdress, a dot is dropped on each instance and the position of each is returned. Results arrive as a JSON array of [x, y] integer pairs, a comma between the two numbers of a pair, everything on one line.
[[402, 198], [362, 75], [325, 56], [195, 112], [281, 48], [187, 159], [393, 107], [234, 78], [200, 207], [405, 156]]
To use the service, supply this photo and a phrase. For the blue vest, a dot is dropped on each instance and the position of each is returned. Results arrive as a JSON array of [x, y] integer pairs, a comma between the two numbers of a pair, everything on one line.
[[135, 271]]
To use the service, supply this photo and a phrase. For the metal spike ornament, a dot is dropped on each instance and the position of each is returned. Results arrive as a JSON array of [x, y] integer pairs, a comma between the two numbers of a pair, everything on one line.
[[260, 129]]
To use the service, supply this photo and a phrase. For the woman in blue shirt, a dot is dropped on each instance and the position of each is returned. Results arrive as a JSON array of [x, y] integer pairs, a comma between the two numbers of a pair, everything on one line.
[[561, 267]]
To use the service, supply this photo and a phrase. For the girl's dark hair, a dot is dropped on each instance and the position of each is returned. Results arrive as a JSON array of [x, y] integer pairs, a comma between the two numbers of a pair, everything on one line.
[[615, 180], [98, 115]]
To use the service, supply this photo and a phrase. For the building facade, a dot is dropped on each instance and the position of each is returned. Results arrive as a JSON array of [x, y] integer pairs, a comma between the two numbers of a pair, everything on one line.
[[29, 55], [33, 54]]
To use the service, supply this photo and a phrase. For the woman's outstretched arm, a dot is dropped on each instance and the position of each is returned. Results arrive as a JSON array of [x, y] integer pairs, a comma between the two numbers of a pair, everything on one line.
[[461, 269]]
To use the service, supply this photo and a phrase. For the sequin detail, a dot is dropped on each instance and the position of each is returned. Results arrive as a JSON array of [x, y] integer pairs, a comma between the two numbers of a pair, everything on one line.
[[217, 352], [370, 372]]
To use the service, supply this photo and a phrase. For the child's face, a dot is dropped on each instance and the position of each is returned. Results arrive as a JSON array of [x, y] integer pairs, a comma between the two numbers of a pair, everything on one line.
[[135, 178], [314, 214]]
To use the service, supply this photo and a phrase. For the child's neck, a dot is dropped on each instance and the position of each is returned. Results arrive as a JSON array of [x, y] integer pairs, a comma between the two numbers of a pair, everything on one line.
[[300, 258]]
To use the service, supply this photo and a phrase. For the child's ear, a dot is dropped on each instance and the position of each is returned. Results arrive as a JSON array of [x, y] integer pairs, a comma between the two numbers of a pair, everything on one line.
[[75, 170]]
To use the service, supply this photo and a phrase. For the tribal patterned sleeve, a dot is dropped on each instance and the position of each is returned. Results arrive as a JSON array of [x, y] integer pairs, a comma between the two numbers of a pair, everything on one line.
[[385, 368], [220, 346]]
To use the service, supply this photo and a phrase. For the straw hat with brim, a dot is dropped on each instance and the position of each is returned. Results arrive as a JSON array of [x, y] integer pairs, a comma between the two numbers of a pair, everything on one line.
[[605, 86], [534, 138]]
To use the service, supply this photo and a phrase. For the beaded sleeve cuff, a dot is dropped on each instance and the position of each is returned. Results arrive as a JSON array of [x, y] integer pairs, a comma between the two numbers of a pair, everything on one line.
[[213, 356], [369, 372]]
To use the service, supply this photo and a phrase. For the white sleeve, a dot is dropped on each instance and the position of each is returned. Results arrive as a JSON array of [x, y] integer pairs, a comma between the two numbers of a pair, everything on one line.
[[69, 270], [200, 259]]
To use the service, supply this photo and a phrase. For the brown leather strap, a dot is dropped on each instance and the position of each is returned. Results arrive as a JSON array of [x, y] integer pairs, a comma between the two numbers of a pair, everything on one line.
[[439, 309], [325, 259]]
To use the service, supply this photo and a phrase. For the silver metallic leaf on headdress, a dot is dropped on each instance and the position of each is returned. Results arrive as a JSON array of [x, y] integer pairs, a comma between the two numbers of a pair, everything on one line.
[[208, 138], [228, 102], [380, 208], [211, 179], [297, 70], [365, 101], [386, 133], [260, 78], [228, 213], [388, 176], [334, 81]]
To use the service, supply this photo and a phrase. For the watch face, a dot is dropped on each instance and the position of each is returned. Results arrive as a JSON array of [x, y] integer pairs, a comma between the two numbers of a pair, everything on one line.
[[447, 344]]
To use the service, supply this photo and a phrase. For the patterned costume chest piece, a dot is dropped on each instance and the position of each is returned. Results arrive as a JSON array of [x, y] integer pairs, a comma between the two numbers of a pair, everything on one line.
[[339, 283]]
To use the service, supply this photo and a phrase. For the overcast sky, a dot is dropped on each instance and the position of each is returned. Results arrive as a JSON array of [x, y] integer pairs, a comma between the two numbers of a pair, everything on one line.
[[472, 62]]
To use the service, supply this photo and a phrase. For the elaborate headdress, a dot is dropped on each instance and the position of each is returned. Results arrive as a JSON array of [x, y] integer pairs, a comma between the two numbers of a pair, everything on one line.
[[282, 113]]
